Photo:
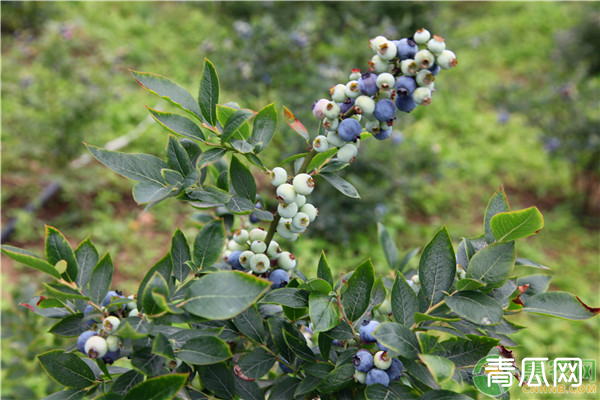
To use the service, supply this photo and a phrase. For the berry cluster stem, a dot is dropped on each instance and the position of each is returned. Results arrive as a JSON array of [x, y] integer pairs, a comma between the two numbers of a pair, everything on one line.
[[345, 317]]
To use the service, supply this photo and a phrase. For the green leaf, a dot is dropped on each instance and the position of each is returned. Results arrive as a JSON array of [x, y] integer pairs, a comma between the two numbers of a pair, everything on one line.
[[87, 258], [210, 197], [148, 192], [177, 157], [209, 243], [70, 326], [398, 338], [476, 307], [318, 369], [163, 387], [100, 279], [162, 346], [62, 291], [180, 255], [257, 363], [248, 390], [355, 298], [284, 388], [204, 350], [178, 124], [164, 266], [437, 267], [292, 158], [139, 167], [466, 352], [559, 304], [67, 369], [156, 284], [420, 317], [68, 394], [508, 226], [250, 324], [264, 127], [468, 284], [218, 378], [440, 368], [342, 185], [126, 381], [323, 310], [493, 264], [308, 384], [31, 260], [404, 301], [210, 156], [242, 146], [132, 328], [338, 379], [443, 395], [266, 216], [316, 285], [224, 294], [224, 113], [323, 270], [296, 125], [57, 248], [321, 159], [334, 165], [290, 297], [168, 90], [528, 263], [208, 97], [394, 391], [234, 122], [497, 204], [389, 247], [403, 264], [242, 180], [239, 205], [299, 347], [378, 294]]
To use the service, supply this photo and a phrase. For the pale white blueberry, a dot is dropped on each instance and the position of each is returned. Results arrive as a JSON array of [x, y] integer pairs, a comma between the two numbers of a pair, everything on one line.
[[233, 245], [286, 193], [257, 234], [376, 42], [278, 176], [422, 95], [300, 200], [409, 67], [424, 77], [378, 64], [331, 110], [274, 250], [352, 89], [310, 210], [447, 60], [287, 210], [422, 36], [96, 347], [245, 258], [424, 58], [241, 236], [387, 50], [334, 139], [436, 45], [331, 124], [258, 246], [286, 261], [320, 144], [113, 343], [110, 324], [364, 105], [347, 153], [304, 184], [260, 263], [385, 81], [300, 221], [338, 93]]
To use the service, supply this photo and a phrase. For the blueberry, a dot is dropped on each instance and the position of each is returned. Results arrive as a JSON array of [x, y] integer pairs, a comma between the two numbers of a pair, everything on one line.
[[366, 331], [435, 69], [382, 359], [405, 103], [382, 347], [253, 218], [318, 108], [338, 93], [285, 368], [111, 324], [241, 236], [303, 184], [367, 84], [436, 45], [377, 376], [245, 258], [349, 130], [361, 377], [83, 338], [395, 370], [422, 36], [383, 134], [260, 263], [346, 105], [447, 59], [280, 278], [337, 342], [363, 360], [405, 86], [109, 296], [234, 260], [384, 110], [95, 347], [286, 261], [406, 48], [286, 193], [278, 176], [111, 356]]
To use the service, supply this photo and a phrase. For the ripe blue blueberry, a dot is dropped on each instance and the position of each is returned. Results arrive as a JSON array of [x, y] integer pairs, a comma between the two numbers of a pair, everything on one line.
[[405, 103], [84, 338], [384, 110], [349, 130], [383, 134], [406, 48], [346, 105], [234, 260], [405, 86], [366, 331], [363, 360], [253, 218], [435, 69], [377, 376], [382, 347], [367, 84], [285, 368], [395, 369], [109, 296], [280, 278], [111, 356]]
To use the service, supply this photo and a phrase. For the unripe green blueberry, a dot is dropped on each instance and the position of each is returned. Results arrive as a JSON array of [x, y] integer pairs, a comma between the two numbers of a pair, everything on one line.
[[133, 304], [233, 245], [386, 94], [331, 124], [286, 261], [241, 236], [386, 307], [110, 324], [372, 126], [387, 50], [300, 200], [285, 233], [415, 279], [385, 81], [355, 74], [331, 110], [424, 77], [310, 210], [421, 36], [278, 176], [260, 263], [258, 246], [446, 60], [347, 153], [287, 210], [424, 58], [378, 64], [224, 254], [304, 184], [245, 258], [338, 93], [274, 250], [409, 67], [320, 144], [436, 45], [352, 89], [382, 360], [334, 139], [422, 95], [96, 347], [300, 221], [286, 193], [257, 234], [364, 105], [113, 343], [361, 377], [376, 42], [133, 312]]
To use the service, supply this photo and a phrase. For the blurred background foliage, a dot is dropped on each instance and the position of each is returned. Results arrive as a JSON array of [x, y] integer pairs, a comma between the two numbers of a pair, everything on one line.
[[521, 109]]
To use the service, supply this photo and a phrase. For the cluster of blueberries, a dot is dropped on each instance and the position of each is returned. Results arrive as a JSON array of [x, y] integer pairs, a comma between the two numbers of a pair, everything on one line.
[[379, 368], [401, 76], [101, 341]]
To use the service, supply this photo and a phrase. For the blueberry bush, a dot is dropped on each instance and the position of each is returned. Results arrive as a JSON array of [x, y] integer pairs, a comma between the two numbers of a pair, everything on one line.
[[229, 314]]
